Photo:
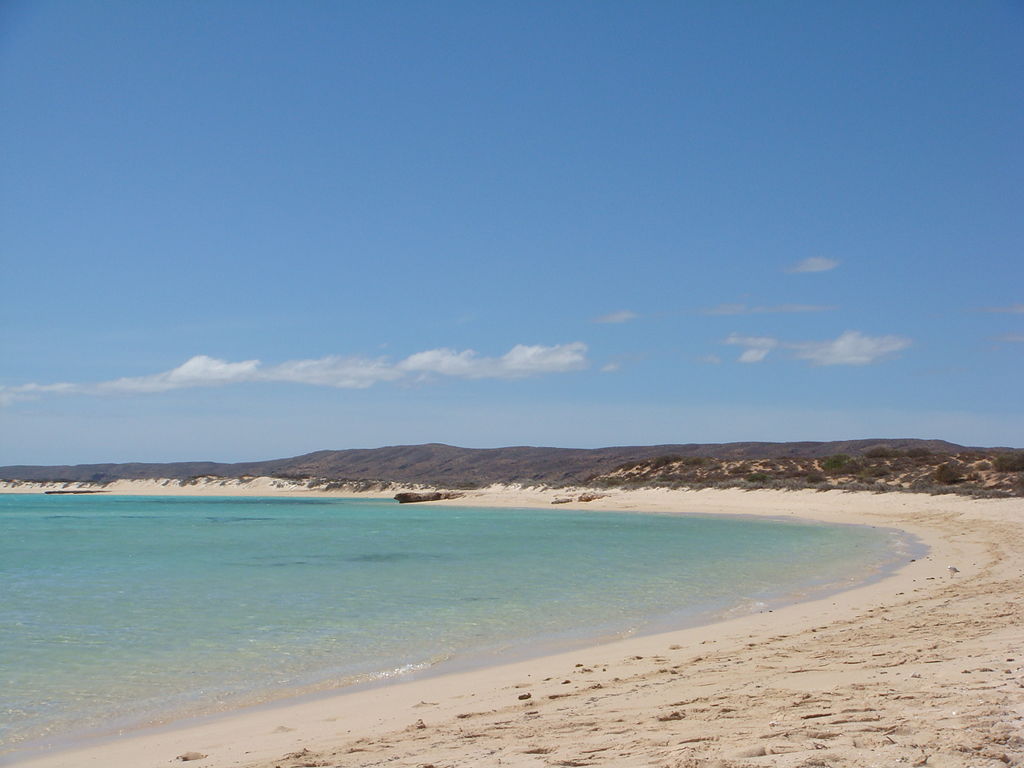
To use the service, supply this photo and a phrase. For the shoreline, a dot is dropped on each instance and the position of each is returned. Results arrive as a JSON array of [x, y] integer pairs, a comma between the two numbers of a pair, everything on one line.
[[256, 486], [611, 686], [495, 652]]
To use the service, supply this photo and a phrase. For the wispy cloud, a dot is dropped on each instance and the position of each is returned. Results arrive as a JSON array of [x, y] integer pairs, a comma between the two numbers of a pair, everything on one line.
[[744, 309], [519, 362], [1011, 338], [757, 347], [621, 316], [331, 371], [620, 362], [849, 348], [198, 371], [9, 395], [1012, 309], [814, 264]]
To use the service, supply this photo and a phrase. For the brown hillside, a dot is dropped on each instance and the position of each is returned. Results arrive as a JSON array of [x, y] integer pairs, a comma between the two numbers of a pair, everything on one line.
[[452, 466]]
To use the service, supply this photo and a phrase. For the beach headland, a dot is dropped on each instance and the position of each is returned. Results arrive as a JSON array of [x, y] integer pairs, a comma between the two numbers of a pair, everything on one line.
[[923, 667]]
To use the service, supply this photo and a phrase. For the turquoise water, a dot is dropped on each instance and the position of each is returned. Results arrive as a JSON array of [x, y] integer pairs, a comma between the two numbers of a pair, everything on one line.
[[117, 611]]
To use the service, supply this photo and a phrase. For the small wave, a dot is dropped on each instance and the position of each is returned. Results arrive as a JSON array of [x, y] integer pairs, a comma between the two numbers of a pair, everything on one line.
[[392, 557], [220, 519], [406, 669]]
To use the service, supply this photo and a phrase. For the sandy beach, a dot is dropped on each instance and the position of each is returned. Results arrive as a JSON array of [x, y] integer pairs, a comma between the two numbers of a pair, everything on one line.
[[924, 667]]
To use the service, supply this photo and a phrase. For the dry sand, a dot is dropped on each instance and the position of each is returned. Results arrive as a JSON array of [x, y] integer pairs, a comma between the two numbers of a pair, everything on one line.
[[206, 486], [921, 668]]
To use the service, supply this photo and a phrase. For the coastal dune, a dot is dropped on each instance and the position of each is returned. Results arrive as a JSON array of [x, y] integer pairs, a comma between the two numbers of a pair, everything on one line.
[[922, 667]]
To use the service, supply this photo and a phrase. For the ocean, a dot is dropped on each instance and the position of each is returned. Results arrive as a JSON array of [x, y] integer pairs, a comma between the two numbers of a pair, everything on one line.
[[122, 611]]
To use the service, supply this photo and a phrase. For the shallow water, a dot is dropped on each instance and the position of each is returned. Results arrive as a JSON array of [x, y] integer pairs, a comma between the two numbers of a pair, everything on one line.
[[118, 611]]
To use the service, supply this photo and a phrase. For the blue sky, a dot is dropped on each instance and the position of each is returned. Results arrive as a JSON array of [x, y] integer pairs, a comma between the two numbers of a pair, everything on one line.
[[239, 231]]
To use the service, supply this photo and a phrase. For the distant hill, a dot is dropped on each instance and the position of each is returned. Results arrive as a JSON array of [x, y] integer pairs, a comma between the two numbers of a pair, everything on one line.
[[447, 465], [975, 472]]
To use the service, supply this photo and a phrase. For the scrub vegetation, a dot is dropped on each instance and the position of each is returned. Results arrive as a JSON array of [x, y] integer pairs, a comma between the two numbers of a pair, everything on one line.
[[975, 473]]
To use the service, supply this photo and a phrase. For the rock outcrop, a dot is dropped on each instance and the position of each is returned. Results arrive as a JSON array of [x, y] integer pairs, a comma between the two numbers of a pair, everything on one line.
[[410, 497]]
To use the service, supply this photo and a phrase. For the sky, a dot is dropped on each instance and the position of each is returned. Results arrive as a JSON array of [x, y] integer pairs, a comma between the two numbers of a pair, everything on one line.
[[246, 230]]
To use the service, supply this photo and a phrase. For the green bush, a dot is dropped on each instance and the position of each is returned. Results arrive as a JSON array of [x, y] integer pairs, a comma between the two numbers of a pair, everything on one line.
[[663, 461], [881, 452], [1010, 462], [758, 477], [836, 463], [876, 471], [948, 474]]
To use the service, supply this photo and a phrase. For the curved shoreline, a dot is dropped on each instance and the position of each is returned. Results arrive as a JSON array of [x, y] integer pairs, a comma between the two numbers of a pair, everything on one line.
[[526, 642], [764, 664]]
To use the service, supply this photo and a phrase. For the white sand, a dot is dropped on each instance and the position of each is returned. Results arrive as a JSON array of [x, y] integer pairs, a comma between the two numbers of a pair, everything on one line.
[[207, 486], [921, 668]]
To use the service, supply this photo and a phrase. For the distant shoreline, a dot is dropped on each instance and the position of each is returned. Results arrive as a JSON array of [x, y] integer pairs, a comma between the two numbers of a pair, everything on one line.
[[77, 491], [210, 486], [866, 464], [652, 475], [879, 466]]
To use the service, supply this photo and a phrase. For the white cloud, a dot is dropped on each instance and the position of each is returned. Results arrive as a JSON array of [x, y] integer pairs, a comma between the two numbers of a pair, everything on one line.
[[753, 355], [527, 361], [1013, 309], [743, 309], [1012, 338], [757, 347], [446, 362], [814, 264], [10, 395], [622, 316], [332, 371], [199, 371], [850, 348], [518, 362]]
